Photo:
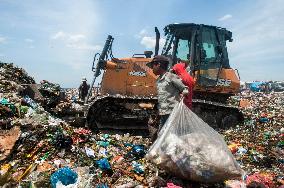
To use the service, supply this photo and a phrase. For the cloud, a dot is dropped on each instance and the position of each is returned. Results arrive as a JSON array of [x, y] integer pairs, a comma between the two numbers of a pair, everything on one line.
[[150, 42], [2, 40], [59, 35], [28, 40], [40, 22], [258, 44], [147, 40], [84, 46], [75, 41], [144, 32], [1, 55], [76, 38], [225, 17]]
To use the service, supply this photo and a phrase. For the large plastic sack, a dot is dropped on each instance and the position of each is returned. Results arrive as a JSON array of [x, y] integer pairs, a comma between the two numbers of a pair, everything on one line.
[[189, 148]]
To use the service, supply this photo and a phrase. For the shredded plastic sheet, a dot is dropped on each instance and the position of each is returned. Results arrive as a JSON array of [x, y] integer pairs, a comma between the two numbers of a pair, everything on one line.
[[189, 148]]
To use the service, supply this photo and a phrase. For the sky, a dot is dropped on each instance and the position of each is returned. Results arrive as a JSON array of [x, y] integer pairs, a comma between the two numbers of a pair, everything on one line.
[[56, 40]]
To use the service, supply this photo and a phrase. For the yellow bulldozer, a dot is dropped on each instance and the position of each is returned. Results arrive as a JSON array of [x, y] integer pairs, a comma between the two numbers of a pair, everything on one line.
[[127, 95]]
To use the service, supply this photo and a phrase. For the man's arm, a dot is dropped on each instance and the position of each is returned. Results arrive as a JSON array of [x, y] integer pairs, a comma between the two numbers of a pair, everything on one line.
[[177, 82]]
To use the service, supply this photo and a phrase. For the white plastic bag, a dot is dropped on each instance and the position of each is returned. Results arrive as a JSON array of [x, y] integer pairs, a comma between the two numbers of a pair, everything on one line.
[[189, 148]]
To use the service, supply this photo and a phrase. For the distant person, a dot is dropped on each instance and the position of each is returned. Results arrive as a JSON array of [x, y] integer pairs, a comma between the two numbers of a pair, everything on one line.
[[83, 89], [180, 70]]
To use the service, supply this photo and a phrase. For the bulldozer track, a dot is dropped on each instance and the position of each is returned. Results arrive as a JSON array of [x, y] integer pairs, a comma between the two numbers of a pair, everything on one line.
[[119, 112], [111, 112]]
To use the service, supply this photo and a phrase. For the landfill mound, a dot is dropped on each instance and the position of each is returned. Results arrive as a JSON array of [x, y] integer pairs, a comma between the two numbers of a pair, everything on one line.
[[11, 77], [258, 145], [38, 149]]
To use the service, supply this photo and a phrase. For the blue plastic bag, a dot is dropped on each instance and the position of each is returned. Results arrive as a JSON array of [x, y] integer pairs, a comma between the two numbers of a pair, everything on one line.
[[263, 120], [102, 186], [103, 164], [30, 102], [65, 175], [138, 151]]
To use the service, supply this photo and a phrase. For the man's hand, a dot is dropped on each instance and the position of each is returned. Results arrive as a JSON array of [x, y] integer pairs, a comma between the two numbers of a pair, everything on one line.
[[184, 94]]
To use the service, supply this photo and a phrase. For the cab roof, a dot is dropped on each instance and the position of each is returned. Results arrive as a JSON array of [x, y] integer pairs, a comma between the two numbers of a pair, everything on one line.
[[181, 28]]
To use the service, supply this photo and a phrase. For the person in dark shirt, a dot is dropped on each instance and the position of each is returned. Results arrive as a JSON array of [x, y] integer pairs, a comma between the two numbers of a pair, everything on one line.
[[83, 89]]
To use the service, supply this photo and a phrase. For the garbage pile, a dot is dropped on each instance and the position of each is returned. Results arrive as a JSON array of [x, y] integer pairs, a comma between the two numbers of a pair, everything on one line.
[[50, 93], [257, 86], [11, 77], [70, 105], [38, 149], [47, 151], [258, 145]]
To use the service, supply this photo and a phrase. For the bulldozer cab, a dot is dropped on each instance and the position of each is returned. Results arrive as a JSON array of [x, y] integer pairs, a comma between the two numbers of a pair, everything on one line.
[[202, 47]]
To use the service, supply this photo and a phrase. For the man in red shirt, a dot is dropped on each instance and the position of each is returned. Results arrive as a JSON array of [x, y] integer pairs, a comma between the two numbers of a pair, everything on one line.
[[180, 70]]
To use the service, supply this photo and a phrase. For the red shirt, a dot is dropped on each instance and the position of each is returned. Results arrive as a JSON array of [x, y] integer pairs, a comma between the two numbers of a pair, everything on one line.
[[180, 70]]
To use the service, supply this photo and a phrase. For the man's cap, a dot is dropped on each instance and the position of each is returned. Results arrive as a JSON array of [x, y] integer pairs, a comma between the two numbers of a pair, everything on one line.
[[158, 59], [84, 79]]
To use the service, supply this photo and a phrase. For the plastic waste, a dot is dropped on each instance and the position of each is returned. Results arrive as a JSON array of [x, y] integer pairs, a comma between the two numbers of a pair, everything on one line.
[[117, 160], [30, 102], [4, 172], [265, 179], [189, 148], [105, 136], [90, 152], [137, 167], [102, 185], [263, 119], [103, 143], [24, 109], [103, 164], [266, 135], [235, 184], [138, 151], [127, 185], [65, 175], [62, 141], [171, 185], [57, 163], [280, 144], [234, 147], [82, 131], [128, 144], [6, 102], [103, 152], [241, 151]]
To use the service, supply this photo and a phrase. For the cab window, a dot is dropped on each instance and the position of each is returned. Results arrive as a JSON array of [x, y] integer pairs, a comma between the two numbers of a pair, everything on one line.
[[183, 49], [209, 44]]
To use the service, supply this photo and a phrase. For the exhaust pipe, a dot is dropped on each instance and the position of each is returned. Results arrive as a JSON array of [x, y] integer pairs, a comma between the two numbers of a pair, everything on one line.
[[157, 41]]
